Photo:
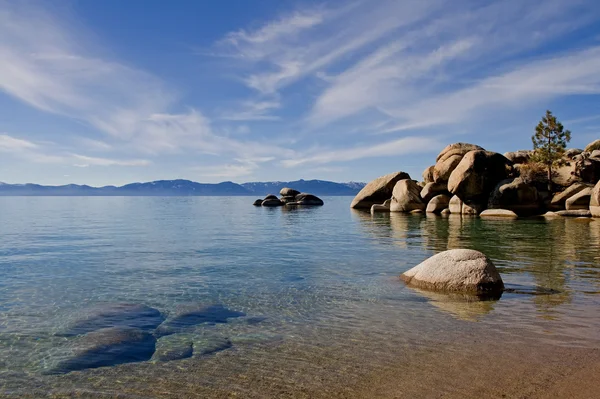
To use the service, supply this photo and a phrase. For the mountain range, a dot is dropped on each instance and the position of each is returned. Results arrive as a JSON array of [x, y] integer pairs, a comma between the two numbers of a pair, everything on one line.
[[183, 188]]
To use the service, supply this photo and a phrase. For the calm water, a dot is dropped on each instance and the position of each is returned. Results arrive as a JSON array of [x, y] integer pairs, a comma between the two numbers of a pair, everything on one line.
[[307, 280]]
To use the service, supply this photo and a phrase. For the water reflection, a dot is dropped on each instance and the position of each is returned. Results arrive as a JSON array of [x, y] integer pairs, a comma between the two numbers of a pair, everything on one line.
[[557, 257]]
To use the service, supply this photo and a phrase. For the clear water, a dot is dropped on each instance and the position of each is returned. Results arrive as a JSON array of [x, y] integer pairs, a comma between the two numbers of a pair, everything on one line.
[[318, 280]]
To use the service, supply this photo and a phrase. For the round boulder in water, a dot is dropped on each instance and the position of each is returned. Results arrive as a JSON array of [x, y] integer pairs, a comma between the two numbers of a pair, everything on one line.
[[288, 192], [456, 270]]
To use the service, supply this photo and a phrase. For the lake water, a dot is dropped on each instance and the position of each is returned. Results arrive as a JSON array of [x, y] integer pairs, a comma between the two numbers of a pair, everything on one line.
[[318, 288]]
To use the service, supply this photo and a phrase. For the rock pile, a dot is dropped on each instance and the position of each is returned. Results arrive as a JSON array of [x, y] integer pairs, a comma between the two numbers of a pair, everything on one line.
[[466, 179], [289, 197]]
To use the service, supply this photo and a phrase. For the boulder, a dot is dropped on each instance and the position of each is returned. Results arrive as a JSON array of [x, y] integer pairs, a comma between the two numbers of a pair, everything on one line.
[[377, 191], [559, 199], [385, 207], [455, 205], [577, 213], [107, 315], [477, 175], [456, 270], [428, 174], [456, 149], [443, 169], [587, 168], [515, 195], [572, 153], [595, 154], [432, 189], [272, 202], [108, 347], [258, 202], [191, 315], [406, 197], [438, 203], [518, 157], [288, 192], [498, 213], [594, 145], [579, 201], [445, 212], [308, 199], [595, 201], [551, 214], [270, 197], [287, 199], [210, 344]]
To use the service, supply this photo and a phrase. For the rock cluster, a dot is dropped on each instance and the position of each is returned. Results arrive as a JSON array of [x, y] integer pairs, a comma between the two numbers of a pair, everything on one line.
[[466, 179], [289, 197]]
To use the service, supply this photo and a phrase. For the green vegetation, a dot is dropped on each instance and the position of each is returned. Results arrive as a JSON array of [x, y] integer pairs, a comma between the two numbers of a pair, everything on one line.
[[549, 143]]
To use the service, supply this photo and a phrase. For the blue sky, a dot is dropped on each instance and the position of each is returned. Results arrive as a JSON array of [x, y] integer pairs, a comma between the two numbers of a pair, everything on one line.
[[111, 92]]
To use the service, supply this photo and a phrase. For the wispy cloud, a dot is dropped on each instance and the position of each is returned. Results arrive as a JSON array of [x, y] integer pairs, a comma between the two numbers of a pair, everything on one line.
[[258, 110], [405, 145], [95, 161], [9, 143]]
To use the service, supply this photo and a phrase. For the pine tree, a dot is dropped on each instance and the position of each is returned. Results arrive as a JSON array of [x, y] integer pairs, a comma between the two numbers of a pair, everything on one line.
[[549, 143]]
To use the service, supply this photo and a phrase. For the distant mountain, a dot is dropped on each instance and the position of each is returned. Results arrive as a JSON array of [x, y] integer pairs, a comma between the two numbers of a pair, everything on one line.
[[183, 188]]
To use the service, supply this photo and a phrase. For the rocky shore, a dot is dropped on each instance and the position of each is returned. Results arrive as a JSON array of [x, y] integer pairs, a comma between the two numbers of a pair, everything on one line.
[[466, 179]]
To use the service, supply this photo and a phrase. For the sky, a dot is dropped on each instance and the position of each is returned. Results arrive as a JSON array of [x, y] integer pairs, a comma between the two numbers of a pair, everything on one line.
[[113, 92]]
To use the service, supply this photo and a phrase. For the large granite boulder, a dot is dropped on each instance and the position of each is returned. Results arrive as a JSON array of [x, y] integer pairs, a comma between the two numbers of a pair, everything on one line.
[[594, 145], [457, 270], [428, 174], [107, 315], [595, 201], [377, 191], [458, 207], [438, 203], [190, 315], [515, 195], [519, 157], [307, 199], [107, 347], [270, 197], [477, 174], [432, 189], [456, 149], [443, 169], [406, 197], [587, 168], [579, 201], [559, 199], [288, 192]]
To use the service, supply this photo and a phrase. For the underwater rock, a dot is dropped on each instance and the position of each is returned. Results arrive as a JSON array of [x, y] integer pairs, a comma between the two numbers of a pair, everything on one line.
[[115, 315], [192, 315], [173, 347], [108, 347]]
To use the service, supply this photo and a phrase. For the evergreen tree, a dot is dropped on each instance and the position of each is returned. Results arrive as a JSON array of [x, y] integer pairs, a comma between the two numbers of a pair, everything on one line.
[[549, 143]]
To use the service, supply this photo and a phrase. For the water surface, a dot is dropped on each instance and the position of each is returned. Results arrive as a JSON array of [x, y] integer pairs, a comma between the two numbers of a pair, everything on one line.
[[313, 284]]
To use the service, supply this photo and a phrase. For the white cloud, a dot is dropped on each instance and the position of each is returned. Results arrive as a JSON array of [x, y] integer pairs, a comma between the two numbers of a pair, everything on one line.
[[254, 111], [95, 161], [405, 145], [9, 143]]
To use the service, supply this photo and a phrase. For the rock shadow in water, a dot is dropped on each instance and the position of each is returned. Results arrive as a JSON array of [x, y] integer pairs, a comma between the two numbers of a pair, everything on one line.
[[189, 316]]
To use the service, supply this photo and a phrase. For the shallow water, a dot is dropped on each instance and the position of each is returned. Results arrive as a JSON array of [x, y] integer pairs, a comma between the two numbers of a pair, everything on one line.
[[311, 283]]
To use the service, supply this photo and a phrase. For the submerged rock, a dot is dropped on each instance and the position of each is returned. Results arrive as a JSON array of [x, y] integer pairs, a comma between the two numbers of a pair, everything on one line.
[[173, 347], [209, 344], [456, 270], [108, 347], [192, 315], [377, 190], [116, 315]]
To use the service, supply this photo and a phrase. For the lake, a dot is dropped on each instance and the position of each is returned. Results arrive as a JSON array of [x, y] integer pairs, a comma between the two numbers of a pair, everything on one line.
[[319, 308]]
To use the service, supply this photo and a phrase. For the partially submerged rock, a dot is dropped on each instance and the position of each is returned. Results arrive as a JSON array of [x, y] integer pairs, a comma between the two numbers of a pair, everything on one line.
[[108, 347], [430, 190], [438, 203], [595, 201], [406, 197], [115, 315], [308, 199], [272, 202], [456, 270], [577, 213], [258, 202], [377, 191], [385, 207], [504, 213]]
